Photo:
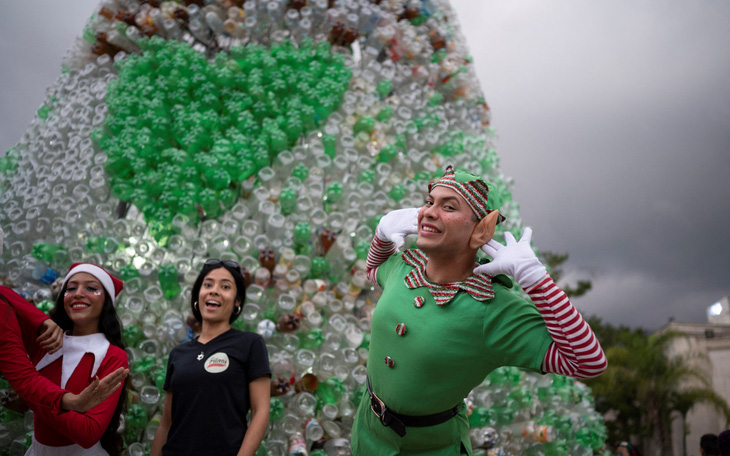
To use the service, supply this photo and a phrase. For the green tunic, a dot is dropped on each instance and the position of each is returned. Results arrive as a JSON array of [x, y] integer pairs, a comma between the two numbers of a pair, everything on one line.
[[443, 353]]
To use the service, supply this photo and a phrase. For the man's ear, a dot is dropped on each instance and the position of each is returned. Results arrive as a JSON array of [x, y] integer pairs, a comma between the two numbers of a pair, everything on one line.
[[484, 230]]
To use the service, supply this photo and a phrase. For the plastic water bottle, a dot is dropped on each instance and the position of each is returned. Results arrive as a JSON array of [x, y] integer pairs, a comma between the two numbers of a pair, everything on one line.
[[219, 130]]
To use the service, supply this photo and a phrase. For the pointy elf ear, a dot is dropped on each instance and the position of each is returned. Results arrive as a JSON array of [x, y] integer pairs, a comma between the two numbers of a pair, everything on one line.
[[484, 230]]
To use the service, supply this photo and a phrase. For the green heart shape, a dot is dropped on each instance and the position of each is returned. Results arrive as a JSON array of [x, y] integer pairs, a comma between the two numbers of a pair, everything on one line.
[[182, 132]]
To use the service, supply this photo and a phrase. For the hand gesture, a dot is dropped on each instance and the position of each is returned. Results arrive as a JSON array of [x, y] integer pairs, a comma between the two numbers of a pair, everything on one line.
[[513, 258], [95, 393], [396, 225], [51, 338]]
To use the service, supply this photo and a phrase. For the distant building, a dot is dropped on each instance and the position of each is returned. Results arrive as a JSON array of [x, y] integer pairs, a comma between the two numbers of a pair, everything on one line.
[[710, 344]]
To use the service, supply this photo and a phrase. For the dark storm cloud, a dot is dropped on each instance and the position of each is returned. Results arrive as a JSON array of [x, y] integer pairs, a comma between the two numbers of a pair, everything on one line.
[[614, 123]]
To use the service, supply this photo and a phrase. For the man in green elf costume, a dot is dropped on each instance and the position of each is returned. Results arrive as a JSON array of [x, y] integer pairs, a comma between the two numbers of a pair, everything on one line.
[[444, 322]]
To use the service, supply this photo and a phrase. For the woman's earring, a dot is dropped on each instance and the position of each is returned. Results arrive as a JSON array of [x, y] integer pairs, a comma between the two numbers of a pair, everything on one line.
[[238, 310], [195, 305]]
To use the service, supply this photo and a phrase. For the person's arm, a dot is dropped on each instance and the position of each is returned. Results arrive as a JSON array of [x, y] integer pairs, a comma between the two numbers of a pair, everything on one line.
[[86, 429], [378, 253], [259, 392], [95, 393], [164, 428], [25, 311], [37, 391], [39, 332], [389, 237], [575, 351]]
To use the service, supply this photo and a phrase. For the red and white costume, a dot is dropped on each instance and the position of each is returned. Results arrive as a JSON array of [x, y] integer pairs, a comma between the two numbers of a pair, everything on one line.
[[19, 324], [74, 367]]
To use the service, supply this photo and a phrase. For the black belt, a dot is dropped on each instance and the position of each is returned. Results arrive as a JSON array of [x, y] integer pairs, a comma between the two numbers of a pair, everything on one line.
[[398, 422]]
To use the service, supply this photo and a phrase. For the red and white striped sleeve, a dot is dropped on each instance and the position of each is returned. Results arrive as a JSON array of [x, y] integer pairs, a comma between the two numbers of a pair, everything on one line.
[[575, 351], [379, 252]]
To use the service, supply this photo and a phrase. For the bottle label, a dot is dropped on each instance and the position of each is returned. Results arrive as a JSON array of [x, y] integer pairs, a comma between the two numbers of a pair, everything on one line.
[[48, 277], [310, 423], [297, 445]]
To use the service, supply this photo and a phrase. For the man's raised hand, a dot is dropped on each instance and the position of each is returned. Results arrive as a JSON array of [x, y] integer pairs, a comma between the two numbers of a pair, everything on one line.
[[396, 225], [516, 259]]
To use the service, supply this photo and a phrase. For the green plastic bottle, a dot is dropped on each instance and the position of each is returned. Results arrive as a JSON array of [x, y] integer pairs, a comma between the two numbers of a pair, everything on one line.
[[169, 283], [288, 200], [329, 142]]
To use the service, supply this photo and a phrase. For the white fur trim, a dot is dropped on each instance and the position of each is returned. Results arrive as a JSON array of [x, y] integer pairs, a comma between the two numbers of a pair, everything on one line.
[[74, 348], [38, 449]]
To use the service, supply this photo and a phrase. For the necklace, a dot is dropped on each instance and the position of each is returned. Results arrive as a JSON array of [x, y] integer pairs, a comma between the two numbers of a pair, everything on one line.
[[201, 355]]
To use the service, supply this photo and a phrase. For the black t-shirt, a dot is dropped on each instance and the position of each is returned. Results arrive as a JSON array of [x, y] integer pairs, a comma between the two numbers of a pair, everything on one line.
[[210, 398]]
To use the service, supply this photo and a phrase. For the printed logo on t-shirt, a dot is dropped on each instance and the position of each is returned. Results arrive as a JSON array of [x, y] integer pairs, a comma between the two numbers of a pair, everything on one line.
[[217, 363]]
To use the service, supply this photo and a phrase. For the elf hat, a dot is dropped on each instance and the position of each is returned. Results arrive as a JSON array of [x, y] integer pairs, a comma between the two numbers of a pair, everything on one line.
[[111, 284], [473, 189]]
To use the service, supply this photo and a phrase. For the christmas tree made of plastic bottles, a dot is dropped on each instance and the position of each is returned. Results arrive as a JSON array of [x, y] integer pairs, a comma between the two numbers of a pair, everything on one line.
[[275, 134]]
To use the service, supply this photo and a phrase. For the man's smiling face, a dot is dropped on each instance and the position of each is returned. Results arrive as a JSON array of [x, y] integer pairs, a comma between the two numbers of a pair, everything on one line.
[[445, 222]]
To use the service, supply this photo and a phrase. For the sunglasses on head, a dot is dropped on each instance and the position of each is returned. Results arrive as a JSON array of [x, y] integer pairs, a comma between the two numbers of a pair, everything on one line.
[[227, 263]]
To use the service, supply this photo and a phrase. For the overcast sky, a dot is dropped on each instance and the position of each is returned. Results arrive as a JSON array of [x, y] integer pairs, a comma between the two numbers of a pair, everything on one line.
[[613, 119]]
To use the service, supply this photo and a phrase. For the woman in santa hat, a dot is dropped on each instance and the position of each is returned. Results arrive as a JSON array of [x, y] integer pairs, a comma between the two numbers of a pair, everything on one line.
[[20, 323], [92, 347], [23, 326]]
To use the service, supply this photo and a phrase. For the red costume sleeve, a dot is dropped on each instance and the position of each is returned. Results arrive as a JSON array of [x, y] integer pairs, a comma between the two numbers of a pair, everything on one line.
[[19, 323], [575, 351], [86, 429], [25, 311], [378, 253]]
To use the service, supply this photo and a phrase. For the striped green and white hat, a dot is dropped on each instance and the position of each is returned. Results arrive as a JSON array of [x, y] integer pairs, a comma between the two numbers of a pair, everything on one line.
[[472, 188]]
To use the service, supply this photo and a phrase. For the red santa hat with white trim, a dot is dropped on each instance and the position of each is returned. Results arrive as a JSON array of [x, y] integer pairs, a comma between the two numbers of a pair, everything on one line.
[[111, 284]]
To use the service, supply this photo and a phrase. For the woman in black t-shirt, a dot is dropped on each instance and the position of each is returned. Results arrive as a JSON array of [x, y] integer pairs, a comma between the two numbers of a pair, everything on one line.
[[212, 381]]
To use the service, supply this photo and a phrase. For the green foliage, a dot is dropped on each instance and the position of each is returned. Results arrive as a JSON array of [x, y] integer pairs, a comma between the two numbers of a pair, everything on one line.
[[644, 385], [610, 336], [554, 262]]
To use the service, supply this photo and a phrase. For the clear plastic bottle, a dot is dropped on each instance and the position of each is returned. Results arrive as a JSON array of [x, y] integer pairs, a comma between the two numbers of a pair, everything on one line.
[[313, 431]]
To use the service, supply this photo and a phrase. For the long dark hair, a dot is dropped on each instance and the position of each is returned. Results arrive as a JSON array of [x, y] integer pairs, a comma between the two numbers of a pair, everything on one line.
[[111, 327], [237, 278]]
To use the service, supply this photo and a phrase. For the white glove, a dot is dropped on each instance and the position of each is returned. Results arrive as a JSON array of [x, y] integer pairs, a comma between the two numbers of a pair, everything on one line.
[[396, 225], [514, 258]]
